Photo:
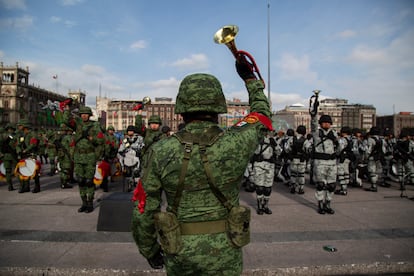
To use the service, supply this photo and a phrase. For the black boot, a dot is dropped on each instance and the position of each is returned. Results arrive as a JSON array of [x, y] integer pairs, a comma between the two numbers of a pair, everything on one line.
[[84, 205], [321, 209], [105, 185], [65, 184], [301, 190], [11, 187], [328, 208], [36, 188], [266, 206], [259, 207], [89, 206]]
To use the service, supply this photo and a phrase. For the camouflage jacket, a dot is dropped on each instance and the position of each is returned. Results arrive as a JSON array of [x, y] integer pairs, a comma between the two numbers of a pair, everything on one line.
[[89, 139], [228, 157]]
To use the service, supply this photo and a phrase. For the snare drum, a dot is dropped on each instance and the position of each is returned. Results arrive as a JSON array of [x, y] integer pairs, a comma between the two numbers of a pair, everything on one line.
[[27, 168]]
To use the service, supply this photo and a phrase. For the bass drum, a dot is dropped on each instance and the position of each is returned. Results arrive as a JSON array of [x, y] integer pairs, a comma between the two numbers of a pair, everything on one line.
[[29, 168]]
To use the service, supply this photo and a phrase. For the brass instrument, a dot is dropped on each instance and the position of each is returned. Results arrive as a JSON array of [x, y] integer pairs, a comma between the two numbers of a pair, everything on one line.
[[146, 100], [226, 35], [314, 103]]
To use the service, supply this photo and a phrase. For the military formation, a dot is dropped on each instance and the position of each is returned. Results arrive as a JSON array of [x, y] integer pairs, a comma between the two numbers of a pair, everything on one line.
[[198, 171]]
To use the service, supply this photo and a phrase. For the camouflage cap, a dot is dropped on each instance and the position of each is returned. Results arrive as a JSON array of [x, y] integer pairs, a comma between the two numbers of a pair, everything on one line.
[[155, 119], [85, 110], [111, 128], [9, 126], [200, 92], [24, 123]]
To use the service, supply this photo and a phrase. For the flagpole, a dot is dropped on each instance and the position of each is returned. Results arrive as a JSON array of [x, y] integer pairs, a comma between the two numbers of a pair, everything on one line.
[[268, 55]]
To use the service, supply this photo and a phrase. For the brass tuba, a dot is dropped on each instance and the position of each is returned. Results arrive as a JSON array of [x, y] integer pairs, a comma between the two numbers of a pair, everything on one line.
[[226, 35], [314, 103]]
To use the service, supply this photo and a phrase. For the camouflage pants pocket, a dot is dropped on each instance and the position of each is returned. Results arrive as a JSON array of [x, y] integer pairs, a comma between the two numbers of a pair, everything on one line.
[[238, 226], [168, 232]]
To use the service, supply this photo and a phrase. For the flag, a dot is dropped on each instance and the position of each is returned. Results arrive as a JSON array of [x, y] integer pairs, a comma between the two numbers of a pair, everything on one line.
[[55, 76]]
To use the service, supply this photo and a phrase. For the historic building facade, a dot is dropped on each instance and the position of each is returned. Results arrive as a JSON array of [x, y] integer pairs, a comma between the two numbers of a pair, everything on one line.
[[19, 100], [342, 114]]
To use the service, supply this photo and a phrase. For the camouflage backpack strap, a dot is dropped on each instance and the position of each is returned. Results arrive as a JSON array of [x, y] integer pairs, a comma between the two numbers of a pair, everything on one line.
[[208, 138], [186, 139]]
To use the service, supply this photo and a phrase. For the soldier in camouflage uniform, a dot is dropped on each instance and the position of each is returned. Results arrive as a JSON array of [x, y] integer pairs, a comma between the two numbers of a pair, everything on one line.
[[263, 166], [89, 150], [152, 133], [346, 156], [27, 148], [65, 145], [51, 150], [8, 149], [111, 151], [175, 165], [297, 151], [374, 154], [324, 157]]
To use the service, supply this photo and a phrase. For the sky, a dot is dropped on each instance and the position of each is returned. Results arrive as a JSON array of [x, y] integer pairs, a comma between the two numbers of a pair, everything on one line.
[[358, 50]]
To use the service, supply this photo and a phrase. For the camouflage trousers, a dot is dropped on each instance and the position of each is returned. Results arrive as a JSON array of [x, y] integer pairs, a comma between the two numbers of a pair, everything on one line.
[[263, 173], [406, 172], [374, 169], [324, 176], [343, 174], [208, 254], [297, 172]]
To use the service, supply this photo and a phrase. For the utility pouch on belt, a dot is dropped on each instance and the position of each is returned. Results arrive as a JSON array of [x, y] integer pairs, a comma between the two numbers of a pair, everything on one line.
[[168, 231], [238, 226]]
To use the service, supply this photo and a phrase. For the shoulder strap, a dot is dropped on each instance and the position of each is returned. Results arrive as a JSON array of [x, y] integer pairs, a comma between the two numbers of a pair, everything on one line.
[[188, 139]]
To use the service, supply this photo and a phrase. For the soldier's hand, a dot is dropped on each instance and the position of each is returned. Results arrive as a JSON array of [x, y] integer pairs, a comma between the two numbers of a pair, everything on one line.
[[157, 261], [244, 68], [138, 107]]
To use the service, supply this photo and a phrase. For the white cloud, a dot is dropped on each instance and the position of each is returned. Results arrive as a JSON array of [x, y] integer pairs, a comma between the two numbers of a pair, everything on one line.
[[13, 4], [93, 70], [71, 2], [297, 68], [195, 61], [19, 23], [67, 23], [346, 34], [140, 44], [55, 19]]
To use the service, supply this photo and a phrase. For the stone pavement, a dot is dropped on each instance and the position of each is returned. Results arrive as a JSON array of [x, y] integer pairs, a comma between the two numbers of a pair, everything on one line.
[[373, 233]]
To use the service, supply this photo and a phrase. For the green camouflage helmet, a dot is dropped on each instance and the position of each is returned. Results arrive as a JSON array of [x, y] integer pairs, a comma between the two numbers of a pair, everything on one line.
[[24, 123], [155, 119], [110, 128], [85, 110], [200, 92]]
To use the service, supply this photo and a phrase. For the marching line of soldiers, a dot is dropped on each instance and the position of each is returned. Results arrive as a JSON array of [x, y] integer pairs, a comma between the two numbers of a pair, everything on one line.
[[334, 161]]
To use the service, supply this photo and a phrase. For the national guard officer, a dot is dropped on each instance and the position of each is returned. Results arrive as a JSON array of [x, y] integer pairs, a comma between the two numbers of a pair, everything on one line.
[[374, 153], [263, 166], [65, 145], [297, 151], [200, 169], [8, 149], [324, 161], [89, 149], [346, 156]]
